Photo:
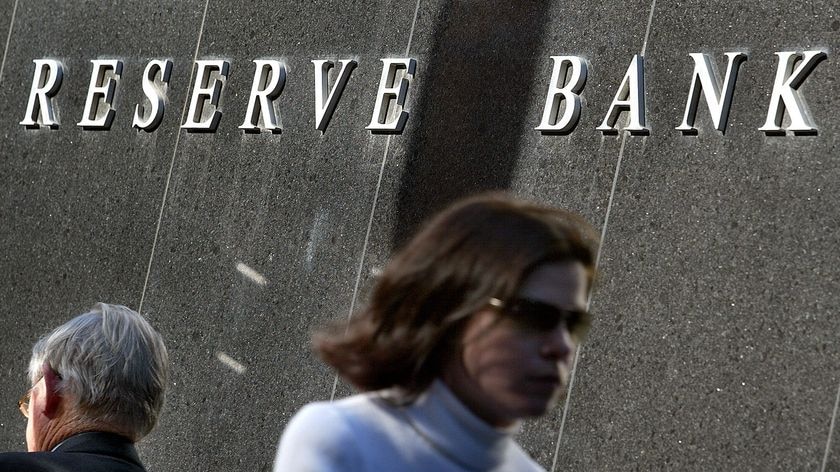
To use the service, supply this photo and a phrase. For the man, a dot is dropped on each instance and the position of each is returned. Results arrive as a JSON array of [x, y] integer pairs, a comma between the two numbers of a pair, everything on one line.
[[98, 384]]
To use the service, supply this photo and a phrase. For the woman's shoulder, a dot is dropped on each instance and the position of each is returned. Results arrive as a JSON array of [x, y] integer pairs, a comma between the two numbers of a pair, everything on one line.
[[353, 418], [335, 436], [352, 411], [318, 437]]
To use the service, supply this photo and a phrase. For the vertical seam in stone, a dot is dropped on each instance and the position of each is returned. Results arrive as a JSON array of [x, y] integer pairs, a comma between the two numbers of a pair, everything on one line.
[[610, 202], [831, 430], [373, 208], [172, 161], [647, 31], [568, 397], [364, 246], [8, 40], [598, 258], [588, 302], [413, 24]]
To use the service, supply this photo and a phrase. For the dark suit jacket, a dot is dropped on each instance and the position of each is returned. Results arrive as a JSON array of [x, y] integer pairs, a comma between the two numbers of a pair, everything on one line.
[[85, 452]]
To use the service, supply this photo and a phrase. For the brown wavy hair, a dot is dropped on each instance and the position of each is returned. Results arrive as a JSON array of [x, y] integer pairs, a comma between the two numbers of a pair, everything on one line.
[[479, 248]]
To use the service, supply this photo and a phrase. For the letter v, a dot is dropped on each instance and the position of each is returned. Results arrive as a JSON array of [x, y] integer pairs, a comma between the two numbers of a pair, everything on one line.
[[326, 101]]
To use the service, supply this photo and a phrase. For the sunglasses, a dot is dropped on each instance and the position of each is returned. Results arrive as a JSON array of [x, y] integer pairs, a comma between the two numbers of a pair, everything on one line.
[[23, 403], [542, 317]]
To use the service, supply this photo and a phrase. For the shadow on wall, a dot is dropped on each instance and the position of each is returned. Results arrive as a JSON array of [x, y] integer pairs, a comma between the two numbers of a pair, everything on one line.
[[473, 102]]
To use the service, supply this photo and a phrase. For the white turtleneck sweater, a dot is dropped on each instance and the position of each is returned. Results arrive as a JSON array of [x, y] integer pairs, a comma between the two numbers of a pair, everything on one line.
[[367, 433]]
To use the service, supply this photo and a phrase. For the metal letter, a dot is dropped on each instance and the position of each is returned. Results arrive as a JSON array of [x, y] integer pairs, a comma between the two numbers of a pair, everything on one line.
[[45, 84], [566, 91], [631, 98], [269, 79], [209, 79], [155, 91], [706, 77], [786, 89], [99, 111], [326, 99], [391, 89]]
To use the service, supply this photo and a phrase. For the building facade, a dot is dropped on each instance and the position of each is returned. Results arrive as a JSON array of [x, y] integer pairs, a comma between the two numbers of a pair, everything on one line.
[[239, 172]]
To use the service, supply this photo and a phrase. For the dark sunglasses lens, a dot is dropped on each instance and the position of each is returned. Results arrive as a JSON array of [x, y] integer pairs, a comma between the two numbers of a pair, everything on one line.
[[578, 324], [535, 315], [23, 404], [541, 316]]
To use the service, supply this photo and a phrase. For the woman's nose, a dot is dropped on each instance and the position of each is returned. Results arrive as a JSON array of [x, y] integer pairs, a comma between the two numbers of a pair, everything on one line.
[[558, 344]]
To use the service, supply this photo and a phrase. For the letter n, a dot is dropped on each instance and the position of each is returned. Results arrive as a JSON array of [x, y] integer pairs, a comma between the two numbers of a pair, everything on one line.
[[718, 100]]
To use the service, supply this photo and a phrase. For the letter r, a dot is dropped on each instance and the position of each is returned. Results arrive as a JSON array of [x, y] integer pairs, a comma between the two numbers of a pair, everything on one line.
[[45, 84]]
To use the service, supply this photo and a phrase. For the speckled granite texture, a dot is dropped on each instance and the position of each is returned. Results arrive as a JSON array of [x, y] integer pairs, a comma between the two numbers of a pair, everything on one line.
[[715, 340]]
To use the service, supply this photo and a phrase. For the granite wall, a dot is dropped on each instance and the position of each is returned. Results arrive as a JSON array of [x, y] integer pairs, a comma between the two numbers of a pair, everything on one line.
[[715, 340]]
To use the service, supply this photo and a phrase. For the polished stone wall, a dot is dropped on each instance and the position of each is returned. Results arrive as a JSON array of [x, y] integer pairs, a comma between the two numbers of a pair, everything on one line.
[[715, 340]]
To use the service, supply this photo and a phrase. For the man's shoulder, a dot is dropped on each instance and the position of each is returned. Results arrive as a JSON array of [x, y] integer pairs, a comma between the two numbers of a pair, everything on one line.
[[30, 462], [65, 462], [62, 462]]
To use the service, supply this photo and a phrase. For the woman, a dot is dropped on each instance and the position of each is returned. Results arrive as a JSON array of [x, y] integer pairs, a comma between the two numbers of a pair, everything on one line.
[[471, 327]]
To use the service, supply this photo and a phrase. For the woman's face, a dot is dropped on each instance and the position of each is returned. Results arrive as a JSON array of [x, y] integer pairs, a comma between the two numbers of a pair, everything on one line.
[[513, 365]]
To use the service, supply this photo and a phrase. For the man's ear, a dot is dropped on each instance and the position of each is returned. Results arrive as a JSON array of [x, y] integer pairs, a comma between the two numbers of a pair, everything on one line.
[[52, 395]]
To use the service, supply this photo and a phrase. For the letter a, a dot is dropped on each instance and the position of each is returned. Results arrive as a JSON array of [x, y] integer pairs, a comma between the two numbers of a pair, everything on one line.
[[630, 98]]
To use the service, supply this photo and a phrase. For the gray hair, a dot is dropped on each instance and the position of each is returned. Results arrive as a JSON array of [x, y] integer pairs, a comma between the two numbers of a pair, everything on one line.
[[112, 364]]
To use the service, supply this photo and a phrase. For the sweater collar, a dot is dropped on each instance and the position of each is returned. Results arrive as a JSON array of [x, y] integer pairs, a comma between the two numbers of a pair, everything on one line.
[[455, 431]]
